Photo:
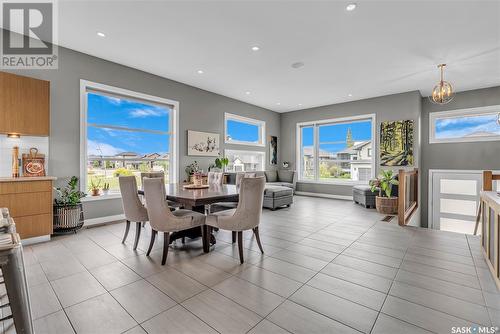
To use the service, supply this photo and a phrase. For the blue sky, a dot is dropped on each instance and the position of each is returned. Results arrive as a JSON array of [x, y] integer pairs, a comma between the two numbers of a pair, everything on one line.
[[467, 126], [242, 131], [333, 137], [130, 114]]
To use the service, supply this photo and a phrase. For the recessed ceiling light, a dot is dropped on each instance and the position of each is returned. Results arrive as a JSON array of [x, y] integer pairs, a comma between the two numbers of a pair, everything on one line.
[[298, 64], [247, 92], [255, 48], [101, 34], [199, 71], [278, 103], [350, 7], [350, 95], [300, 104]]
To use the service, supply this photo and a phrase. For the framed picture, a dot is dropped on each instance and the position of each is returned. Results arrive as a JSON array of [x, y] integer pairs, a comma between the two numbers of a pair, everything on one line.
[[203, 144], [273, 150], [396, 143]]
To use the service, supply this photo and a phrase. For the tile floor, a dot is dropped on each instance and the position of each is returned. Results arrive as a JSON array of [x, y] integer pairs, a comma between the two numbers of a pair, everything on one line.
[[330, 267]]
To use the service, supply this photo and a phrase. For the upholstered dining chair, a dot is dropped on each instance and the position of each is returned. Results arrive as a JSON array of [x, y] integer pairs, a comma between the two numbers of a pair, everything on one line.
[[247, 214], [132, 206], [215, 178], [162, 219]]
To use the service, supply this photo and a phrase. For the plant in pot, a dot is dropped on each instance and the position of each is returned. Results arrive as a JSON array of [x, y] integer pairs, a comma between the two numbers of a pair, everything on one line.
[[95, 186], [383, 184], [191, 169], [68, 211], [105, 188], [219, 163]]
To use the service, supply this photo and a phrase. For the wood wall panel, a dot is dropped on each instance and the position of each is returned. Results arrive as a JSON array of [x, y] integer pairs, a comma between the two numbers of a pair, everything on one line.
[[24, 105]]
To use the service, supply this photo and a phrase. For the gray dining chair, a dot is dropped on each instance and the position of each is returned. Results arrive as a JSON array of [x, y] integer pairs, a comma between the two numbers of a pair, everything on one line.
[[247, 214], [162, 219], [132, 206], [215, 178]]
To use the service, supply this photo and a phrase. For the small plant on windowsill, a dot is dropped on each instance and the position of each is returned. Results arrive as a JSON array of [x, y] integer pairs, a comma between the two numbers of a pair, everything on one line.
[[95, 186], [105, 188], [383, 185]]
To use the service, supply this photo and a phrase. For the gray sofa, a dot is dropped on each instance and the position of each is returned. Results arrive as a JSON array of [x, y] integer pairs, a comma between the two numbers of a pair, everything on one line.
[[279, 189]]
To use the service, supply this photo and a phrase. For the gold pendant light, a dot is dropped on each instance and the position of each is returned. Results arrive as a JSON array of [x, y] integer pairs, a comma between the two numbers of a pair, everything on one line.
[[443, 91]]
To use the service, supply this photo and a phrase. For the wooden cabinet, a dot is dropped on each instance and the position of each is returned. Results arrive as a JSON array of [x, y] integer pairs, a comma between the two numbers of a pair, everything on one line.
[[24, 105], [30, 204]]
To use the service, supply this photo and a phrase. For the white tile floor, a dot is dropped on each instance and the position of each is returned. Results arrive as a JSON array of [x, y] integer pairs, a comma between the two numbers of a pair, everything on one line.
[[330, 267]]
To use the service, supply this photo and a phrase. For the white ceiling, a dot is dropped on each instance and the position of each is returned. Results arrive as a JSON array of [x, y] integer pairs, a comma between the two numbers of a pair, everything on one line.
[[383, 47]]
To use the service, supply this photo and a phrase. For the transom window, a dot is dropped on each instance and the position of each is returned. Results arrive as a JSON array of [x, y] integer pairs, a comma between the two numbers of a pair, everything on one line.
[[125, 133], [465, 125], [245, 161], [243, 130], [336, 150]]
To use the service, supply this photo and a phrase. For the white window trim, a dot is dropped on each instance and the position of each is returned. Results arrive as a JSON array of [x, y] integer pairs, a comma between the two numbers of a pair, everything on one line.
[[249, 151], [433, 116], [298, 153], [86, 85], [259, 123]]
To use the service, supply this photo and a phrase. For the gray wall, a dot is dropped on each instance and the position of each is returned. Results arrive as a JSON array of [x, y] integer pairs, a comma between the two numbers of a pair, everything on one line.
[[198, 110], [386, 108], [472, 156]]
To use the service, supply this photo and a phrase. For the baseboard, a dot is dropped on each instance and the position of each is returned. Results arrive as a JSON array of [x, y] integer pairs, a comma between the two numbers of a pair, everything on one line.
[[35, 240], [103, 220], [342, 197]]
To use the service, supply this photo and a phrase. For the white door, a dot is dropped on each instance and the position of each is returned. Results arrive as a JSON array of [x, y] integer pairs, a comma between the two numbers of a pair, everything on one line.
[[455, 200]]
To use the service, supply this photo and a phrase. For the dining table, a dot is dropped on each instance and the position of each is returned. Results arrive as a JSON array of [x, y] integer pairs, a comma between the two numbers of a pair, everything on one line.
[[195, 200]]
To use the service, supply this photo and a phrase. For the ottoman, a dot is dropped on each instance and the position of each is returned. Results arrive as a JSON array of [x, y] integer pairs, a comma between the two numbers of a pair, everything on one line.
[[364, 196], [276, 196]]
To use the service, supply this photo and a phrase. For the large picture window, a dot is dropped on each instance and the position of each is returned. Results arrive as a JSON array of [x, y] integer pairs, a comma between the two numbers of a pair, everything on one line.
[[125, 133], [465, 125], [243, 130], [336, 150], [245, 161]]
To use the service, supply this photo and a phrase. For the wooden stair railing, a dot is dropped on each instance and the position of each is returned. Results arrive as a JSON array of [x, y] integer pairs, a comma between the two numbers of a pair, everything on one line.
[[488, 178], [407, 195]]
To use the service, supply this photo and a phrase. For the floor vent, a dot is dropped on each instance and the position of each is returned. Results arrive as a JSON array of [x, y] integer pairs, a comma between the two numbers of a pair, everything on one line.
[[387, 218]]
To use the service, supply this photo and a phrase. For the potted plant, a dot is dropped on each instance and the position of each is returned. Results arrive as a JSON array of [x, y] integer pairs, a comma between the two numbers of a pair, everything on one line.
[[68, 211], [383, 184], [191, 169], [105, 188], [219, 163], [95, 186]]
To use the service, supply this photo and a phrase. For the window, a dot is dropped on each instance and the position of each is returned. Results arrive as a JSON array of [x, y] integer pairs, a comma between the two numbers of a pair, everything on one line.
[[336, 150], [465, 125], [242, 130], [125, 133], [245, 161]]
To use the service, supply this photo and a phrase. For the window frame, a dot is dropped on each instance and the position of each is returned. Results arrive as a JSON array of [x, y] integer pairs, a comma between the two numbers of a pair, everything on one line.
[[315, 125], [260, 124], [89, 86], [479, 111], [263, 153]]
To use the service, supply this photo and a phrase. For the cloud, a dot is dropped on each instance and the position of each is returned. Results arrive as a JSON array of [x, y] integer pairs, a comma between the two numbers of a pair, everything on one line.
[[473, 131], [97, 148], [113, 100], [149, 112], [442, 123]]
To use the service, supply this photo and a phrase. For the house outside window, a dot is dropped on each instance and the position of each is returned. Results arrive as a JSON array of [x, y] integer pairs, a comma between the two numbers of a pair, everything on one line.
[[337, 150], [244, 131], [125, 133], [465, 125], [245, 161]]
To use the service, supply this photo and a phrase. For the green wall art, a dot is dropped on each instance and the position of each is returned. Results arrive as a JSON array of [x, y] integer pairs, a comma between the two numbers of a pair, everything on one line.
[[396, 143]]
